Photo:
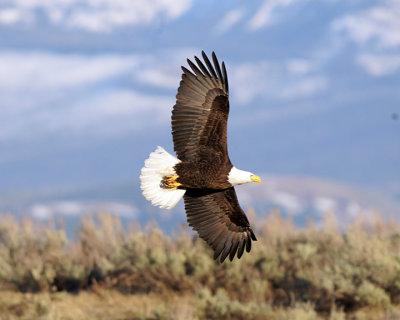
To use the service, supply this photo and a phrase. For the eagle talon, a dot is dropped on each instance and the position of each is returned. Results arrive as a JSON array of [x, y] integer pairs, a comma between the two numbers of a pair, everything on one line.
[[170, 181]]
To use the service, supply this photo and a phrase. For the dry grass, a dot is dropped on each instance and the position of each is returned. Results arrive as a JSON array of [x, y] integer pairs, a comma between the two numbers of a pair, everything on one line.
[[106, 304], [111, 272]]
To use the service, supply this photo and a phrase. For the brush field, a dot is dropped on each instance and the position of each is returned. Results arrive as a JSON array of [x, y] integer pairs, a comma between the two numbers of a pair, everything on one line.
[[109, 271]]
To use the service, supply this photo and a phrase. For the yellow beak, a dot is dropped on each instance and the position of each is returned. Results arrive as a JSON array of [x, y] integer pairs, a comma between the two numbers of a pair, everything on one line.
[[255, 178]]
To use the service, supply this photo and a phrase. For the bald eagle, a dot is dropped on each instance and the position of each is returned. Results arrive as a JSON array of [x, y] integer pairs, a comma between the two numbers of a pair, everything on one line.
[[202, 172]]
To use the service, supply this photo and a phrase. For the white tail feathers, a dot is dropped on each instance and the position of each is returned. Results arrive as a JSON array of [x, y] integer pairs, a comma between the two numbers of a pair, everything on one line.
[[160, 164]]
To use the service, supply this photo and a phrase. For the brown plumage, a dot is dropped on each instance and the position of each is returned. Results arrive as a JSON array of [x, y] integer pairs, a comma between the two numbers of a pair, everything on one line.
[[219, 220], [204, 170]]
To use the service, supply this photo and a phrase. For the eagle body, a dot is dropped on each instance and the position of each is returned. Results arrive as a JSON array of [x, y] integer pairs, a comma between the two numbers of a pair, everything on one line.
[[211, 171], [202, 172]]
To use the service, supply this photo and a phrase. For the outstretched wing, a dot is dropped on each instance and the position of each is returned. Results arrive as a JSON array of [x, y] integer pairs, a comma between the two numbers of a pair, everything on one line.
[[219, 220], [199, 117]]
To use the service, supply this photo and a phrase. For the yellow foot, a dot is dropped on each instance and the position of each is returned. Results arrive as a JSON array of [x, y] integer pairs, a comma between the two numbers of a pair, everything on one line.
[[170, 181]]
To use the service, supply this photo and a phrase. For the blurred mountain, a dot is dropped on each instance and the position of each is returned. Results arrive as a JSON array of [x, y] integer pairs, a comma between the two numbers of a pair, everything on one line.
[[304, 197], [300, 197]]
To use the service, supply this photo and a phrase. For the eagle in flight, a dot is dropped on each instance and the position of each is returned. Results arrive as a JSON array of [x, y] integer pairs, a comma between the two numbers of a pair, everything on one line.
[[202, 172]]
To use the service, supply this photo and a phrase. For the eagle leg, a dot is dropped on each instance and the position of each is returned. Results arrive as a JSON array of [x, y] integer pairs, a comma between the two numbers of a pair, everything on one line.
[[170, 181]]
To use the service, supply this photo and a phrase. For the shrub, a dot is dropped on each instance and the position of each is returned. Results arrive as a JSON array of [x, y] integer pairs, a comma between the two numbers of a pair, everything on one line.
[[312, 270]]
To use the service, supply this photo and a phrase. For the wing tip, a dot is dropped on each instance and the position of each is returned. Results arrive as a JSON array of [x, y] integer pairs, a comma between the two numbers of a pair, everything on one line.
[[253, 236], [237, 248]]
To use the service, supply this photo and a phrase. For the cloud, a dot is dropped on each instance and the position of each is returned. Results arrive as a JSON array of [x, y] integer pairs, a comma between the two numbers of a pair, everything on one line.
[[231, 18], [353, 209], [304, 87], [38, 71], [379, 64], [163, 70], [325, 204], [10, 16], [281, 80], [376, 33], [110, 113], [248, 80], [44, 211], [298, 66], [163, 77], [288, 201], [379, 25], [94, 16], [116, 112], [263, 15], [38, 87], [45, 93]]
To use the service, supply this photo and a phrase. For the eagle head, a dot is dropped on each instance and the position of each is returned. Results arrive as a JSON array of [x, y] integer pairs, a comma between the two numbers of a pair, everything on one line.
[[237, 176]]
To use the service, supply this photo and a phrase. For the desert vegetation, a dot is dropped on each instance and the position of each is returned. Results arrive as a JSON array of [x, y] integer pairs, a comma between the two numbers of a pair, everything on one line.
[[110, 271]]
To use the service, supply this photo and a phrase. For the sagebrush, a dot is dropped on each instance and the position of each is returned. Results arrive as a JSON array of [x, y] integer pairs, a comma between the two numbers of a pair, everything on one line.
[[319, 270]]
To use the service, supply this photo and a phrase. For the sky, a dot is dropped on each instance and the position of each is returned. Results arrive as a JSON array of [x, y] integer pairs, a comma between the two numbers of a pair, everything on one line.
[[87, 87]]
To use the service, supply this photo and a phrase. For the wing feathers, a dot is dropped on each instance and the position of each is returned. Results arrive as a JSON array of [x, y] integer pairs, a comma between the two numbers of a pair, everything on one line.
[[195, 80], [227, 247], [253, 236], [219, 220], [216, 65], [212, 78], [216, 233], [218, 249], [199, 121], [195, 69], [202, 67], [193, 85], [198, 93], [240, 249], [234, 247], [225, 77], [248, 242], [209, 65]]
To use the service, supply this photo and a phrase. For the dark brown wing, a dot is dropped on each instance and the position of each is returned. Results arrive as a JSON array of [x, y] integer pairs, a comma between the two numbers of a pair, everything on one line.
[[219, 220], [199, 117]]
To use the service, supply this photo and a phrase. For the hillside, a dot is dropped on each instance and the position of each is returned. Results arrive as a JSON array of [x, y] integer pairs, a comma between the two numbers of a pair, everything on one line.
[[301, 197]]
